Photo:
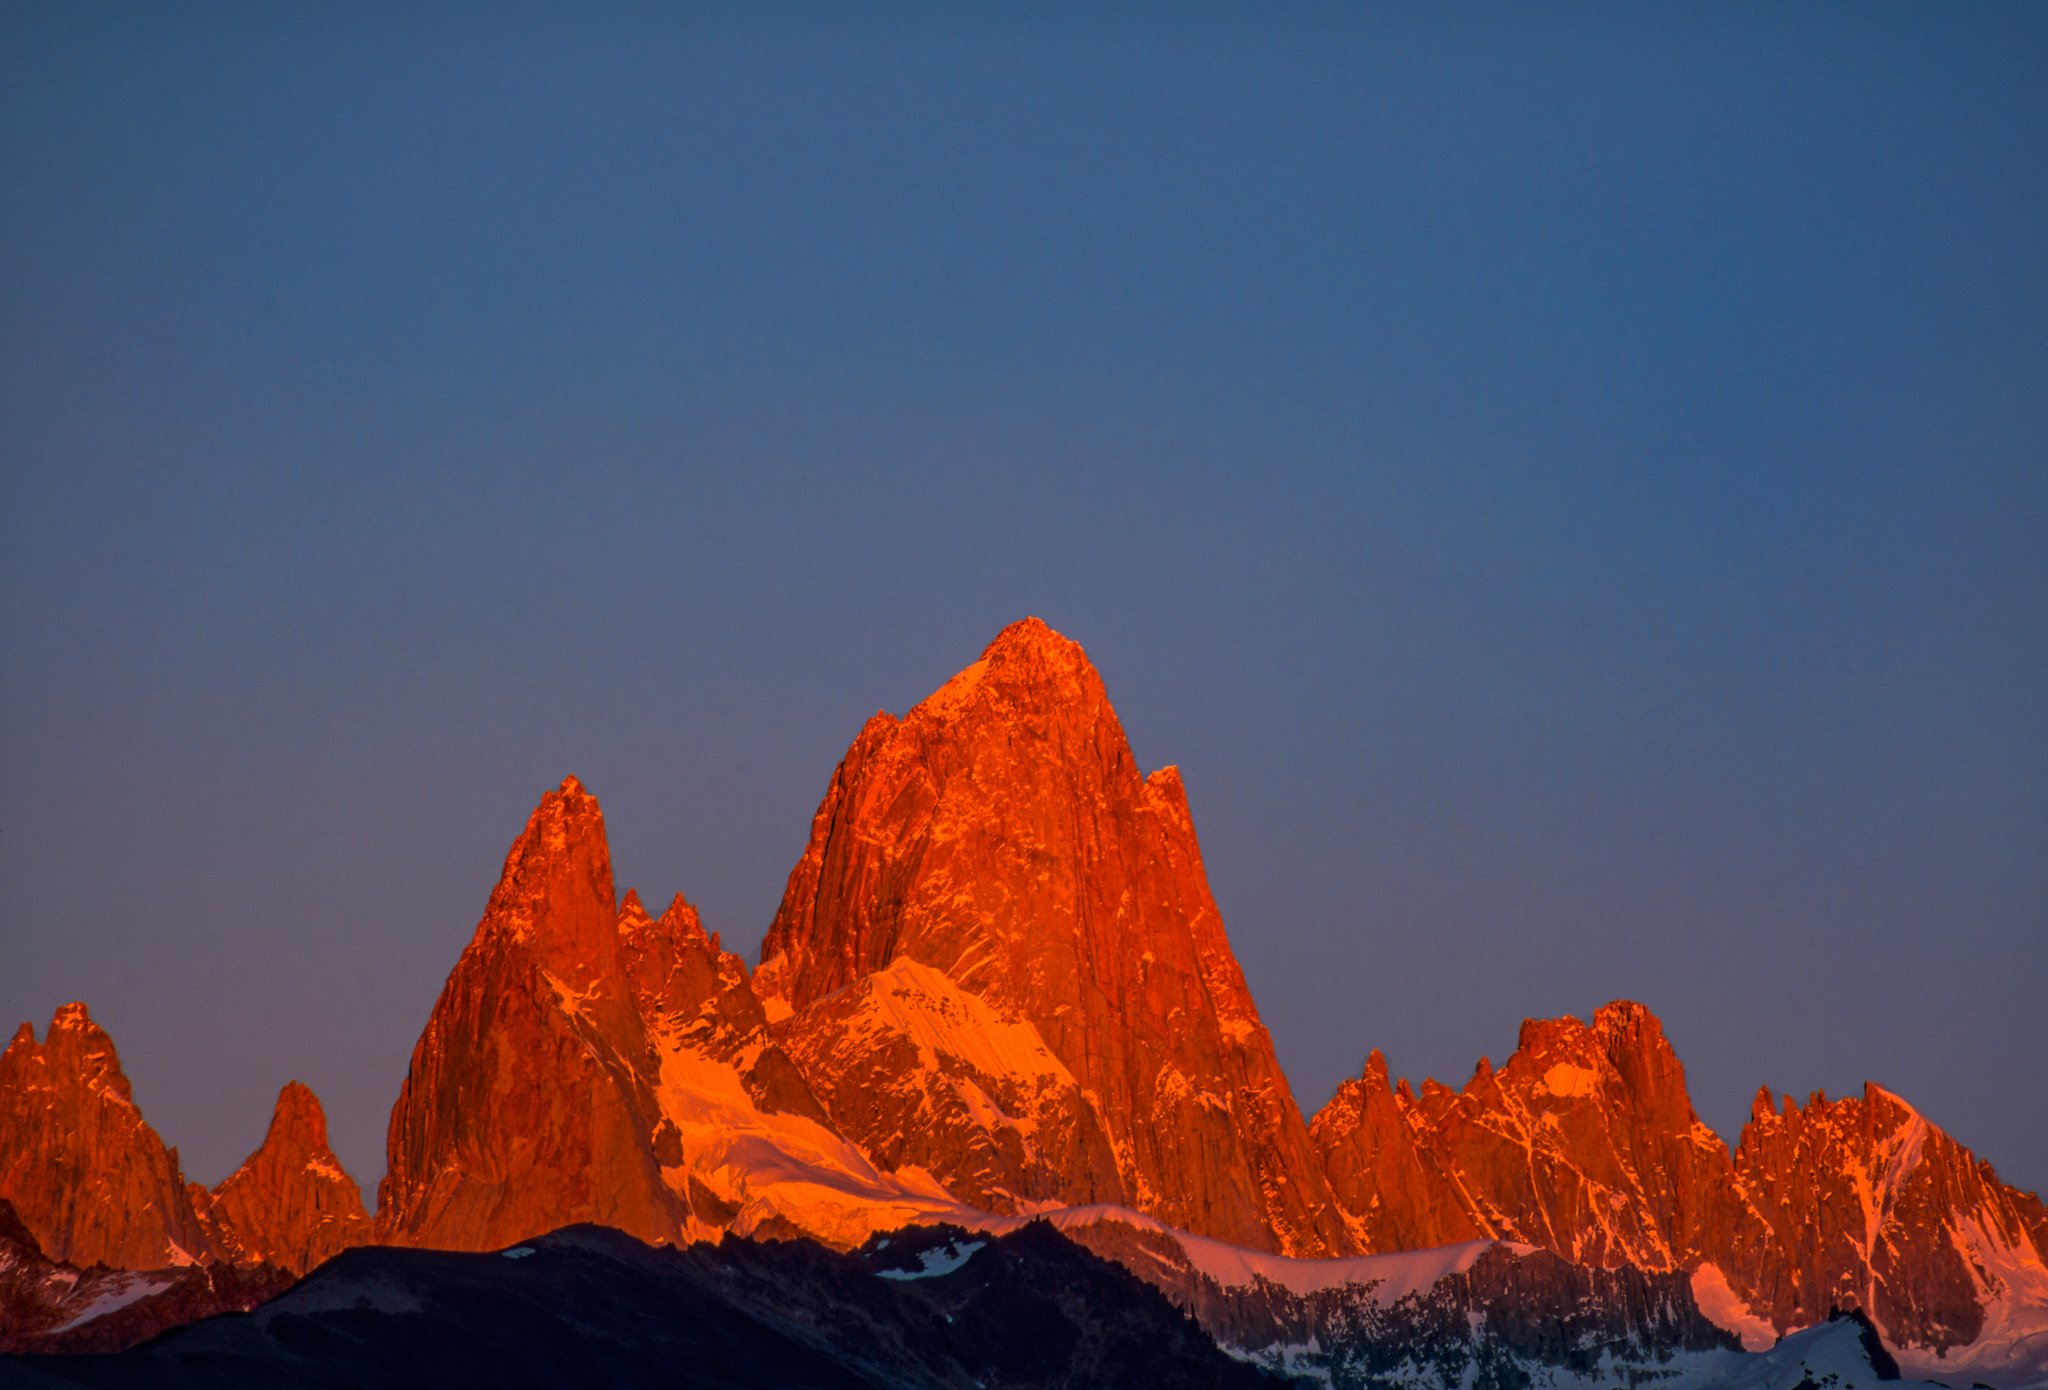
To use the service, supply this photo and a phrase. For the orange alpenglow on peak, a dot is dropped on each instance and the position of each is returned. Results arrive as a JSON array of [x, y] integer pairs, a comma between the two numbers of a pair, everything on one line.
[[84, 1171], [997, 981], [290, 1203], [1001, 839], [522, 1110], [1583, 1142], [588, 1063]]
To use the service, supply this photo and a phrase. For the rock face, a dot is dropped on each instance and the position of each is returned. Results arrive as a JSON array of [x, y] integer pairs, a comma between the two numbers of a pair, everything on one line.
[[1861, 1203], [1396, 1194], [930, 1076], [586, 1062], [1585, 1143], [528, 1103], [289, 1204], [1001, 836], [84, 1171]]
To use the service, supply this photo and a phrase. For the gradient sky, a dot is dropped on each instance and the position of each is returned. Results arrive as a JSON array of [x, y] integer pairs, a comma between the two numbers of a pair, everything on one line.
[[1568, 485]]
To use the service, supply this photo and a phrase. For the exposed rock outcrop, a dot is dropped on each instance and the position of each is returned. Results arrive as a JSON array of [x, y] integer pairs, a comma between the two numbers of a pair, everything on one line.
[[588, 1063], [82, 1168], [1862, 1203], [290, 1204], [528, 1103], [1001, 835]]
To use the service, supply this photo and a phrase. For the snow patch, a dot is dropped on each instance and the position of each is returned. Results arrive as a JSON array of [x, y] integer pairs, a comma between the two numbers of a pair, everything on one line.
[[933, 1263], [1723, 1307], [780, 1166], [1394, 1276], [941, 1018], [122, 1291], [1566, 1081]]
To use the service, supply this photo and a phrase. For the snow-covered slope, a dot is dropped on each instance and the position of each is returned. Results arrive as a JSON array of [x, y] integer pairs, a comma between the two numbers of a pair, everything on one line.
[[930, 1076]]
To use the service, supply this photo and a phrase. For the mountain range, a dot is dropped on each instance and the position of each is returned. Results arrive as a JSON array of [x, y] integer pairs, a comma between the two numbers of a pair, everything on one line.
[[998, 987]]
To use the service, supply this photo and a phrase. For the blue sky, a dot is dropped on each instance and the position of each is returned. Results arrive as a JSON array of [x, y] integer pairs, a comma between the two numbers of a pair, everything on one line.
[[1567, 486]]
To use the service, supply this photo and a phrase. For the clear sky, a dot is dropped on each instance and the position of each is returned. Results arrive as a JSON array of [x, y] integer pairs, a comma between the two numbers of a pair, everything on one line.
[[1568, 485]]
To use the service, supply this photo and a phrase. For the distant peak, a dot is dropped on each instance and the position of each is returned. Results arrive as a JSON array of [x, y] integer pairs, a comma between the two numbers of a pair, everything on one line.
[[72, 1016], [631, 907], [1626, 1016], [300, 1115], [1028, 668], [1761, 1108], [1030, 633], [1376, 1071], [571, 786], [680, 919], [1872, 1093]]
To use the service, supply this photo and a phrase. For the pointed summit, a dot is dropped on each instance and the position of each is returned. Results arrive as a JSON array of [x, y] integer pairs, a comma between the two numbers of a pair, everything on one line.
[[1394, 1195], [555, 890], [525, 1108], [1002, 836], [82, 1168], [1029, 676], [1028, 649], [290, 1204], [586, 1063]]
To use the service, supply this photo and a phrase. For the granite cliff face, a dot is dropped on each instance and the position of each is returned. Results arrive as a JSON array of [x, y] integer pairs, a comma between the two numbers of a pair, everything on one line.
[[1395, 1193], [1001, 836], [1862, 1203], [527, 1104], [1585, 1144], [588, 1063], [289, 1204], [84, 1171]]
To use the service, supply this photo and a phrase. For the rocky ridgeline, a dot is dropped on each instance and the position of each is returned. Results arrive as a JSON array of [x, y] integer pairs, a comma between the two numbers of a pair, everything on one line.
[[997, 982]]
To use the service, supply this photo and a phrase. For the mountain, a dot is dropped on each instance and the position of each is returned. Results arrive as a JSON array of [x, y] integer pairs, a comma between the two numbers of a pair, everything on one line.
[[528, 1103], [588, 1063], [997, 988], [928, 1309], [1477, 1313], [84, 1171], [1395, 1193], [1013, 902], [289, 1204], [1585, 1143], [1862, 1202]]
